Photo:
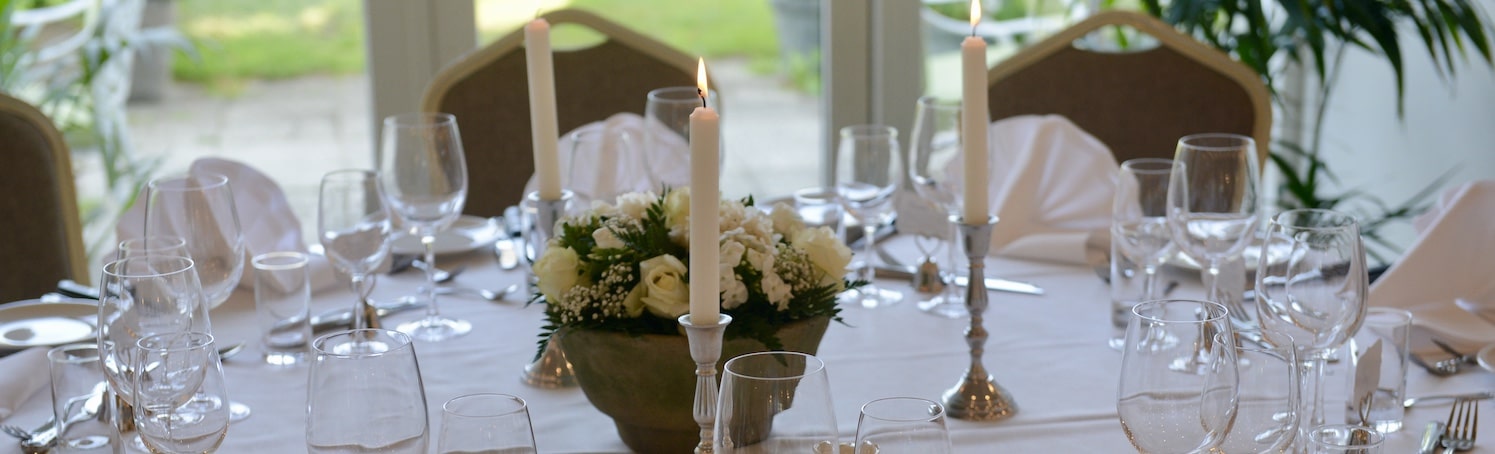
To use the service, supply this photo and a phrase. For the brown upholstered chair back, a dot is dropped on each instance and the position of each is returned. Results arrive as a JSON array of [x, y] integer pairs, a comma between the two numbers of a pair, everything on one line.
[[1138, 103], [43, 238], [488, 92]]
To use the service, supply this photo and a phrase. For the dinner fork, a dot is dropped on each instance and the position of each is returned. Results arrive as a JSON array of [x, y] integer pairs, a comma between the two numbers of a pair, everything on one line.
[[1463, 425], [1471, 359], [15, 431], [1442, 368]]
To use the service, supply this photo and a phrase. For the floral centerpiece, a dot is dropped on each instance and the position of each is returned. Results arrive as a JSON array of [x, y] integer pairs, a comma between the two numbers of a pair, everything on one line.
[[614, 280]]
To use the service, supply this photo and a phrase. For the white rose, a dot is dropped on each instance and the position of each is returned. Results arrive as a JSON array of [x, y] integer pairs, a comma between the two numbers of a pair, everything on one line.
[[557, 271], [677, 215], [786, 221], [825, 252], [635, 204], [606, 239], [731, 214], [666, 293]]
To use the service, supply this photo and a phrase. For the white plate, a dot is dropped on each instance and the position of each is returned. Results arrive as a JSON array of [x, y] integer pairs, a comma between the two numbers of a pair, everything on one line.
[[467, 233], [1486, 357], [32, 323]]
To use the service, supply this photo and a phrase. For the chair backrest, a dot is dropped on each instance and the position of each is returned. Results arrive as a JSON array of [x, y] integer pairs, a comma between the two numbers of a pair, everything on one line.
[[43, 239], [488, 93], [1138, 103]]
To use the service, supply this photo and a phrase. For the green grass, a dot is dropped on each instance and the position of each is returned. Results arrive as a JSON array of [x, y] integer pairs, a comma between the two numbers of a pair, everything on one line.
[[239, 40]]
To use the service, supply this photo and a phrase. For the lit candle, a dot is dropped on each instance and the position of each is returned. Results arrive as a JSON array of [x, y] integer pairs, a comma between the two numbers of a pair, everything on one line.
[[705, 294], [973, 118], [543, 130]]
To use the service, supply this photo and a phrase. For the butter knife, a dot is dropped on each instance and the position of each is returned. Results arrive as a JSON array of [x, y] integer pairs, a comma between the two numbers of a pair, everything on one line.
[[1430, 438], [992, 283]]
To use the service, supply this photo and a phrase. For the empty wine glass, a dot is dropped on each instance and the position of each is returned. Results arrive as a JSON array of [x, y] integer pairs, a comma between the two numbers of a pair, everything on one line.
[[423, 175], [354, 228], [176, 371], [902, 424], [200, 209], [772, 402], [365, 394], [1139, 217], [1212, 204], [1176, 394], [1266, 418], [603, 163], [1316, 294], [934, 166], [152, 245], [868, 171], [486, 422], [666, 138]]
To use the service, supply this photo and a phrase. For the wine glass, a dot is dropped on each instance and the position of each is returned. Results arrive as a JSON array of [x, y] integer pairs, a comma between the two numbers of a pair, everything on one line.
[[365, 394], [902, 424], [868, 171], [603, 163], [1139, 217], [1212, 204], [486, 422], [1266, 418], [174, 372], [152, 245], [773, 402], [666, 138], [1176, 394], [200, 209], [934, 167], [139, 297], [423, 176], [354, 229], [1316, 294]]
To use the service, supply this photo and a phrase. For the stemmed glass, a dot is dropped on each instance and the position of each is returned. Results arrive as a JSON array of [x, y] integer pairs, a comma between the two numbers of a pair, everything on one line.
[[868, 171], [934, 154], [772, 402], [1212, 204], [424, 178], [174, 370], [1139, 217], [200, 209], [354, 229], [902, 424], [365, 394], [1178, 389], [1317, 294], [666, 138]]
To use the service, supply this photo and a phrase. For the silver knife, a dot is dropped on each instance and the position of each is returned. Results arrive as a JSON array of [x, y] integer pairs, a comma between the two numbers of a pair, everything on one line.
[[1430, 438], [343, 318], [992, 283]]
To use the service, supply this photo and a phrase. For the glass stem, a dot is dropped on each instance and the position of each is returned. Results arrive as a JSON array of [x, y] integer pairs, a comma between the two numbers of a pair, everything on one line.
[[1312, 387], [429, 243], [361, 306], [869, 250], [952, 250], [1212, 282], [1150, 283]]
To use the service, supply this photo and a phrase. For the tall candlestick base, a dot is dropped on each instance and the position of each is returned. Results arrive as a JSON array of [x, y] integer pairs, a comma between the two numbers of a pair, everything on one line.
[[705, 350], [551, 370], [977, 397]]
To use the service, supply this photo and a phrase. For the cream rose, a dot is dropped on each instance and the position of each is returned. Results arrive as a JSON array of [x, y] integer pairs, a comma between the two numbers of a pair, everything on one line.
[[666, 293], [557, 271], [677, 215], [825, 251], [606, 239], [635, 204], [786, 222]]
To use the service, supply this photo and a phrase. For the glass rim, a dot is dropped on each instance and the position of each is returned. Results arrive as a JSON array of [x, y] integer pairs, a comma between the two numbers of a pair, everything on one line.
[[939, 102], [679, 94], [113, 268], [404, 343], [298, 260], [175, 240], [813, 365], [1403, 316], [176, 182], [1149, 165], [934, 416], [1343, 220], [1264, 343], [196, 340], [868, 130], [341, 175], [501, 397], [59, 354], [1223, 311], [420, 120], [1193, 141]]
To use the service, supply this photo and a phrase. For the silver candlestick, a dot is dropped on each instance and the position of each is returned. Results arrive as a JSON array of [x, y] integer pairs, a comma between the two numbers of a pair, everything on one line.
[[551, 370], [977, 397], [705, 350]]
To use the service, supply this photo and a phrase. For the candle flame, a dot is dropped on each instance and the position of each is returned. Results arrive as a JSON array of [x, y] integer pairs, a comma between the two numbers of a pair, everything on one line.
[[975, 15], [701, 80]]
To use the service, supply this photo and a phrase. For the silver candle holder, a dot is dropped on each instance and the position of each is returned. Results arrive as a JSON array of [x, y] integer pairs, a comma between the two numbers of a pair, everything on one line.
[[705, 349], [977, 397], [551, 370]]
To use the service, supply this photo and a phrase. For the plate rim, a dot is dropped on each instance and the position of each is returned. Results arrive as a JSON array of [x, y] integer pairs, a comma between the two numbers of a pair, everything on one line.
[[472, 246], [1485, 357], [33, 302]]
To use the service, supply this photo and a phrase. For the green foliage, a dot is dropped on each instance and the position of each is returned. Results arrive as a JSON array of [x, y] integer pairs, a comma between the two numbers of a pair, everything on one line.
[[269, 39]]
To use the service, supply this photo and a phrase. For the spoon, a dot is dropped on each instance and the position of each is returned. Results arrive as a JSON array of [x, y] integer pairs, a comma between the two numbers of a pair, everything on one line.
[[483, 293], [231, 350], [441, 276]]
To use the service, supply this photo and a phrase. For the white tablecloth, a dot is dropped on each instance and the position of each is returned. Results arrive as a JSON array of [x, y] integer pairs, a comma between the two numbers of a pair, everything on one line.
[[1049, 351]]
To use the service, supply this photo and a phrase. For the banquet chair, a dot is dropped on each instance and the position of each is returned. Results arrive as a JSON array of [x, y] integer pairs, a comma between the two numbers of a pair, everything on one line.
[[44, 238], [487, 90], [1138, 102]]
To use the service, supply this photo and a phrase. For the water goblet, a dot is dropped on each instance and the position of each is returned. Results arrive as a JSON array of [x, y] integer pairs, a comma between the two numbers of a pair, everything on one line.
[[666, 138], [364, 394], [868, 172], [902, 424], [174, 373], [1316, 295], [603, 163], [1178, 388], [423, 176], [934, 168], [1213, 205], [200, 209], [353, 225], [486, 422], [773, 402]]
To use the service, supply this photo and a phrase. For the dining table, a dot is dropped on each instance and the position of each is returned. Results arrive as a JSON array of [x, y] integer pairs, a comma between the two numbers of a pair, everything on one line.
[[1049, 351]]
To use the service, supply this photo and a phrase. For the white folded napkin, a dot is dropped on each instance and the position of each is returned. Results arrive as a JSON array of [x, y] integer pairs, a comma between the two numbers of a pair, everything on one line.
[[265, 219], [1451, 260], [22, 375], [603, 159]]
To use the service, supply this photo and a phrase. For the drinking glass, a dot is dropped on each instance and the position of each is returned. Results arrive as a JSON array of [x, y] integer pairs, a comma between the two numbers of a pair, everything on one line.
[[200, 209], [902, 424], [603, 163], [354, 228], [1178, 389], [1139, 218], [667, 131], [773, 402], [1344, 439], [176, 371], [1266, 418], [423, 176], [485, 422], [868, 171], [365, 394], [1383, 408], [934, 168], [1316, 294], [1212, 204], [152, 245]]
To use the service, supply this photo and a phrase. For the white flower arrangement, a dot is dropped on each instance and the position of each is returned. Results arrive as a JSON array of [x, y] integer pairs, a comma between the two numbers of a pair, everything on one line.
[[624, 267]]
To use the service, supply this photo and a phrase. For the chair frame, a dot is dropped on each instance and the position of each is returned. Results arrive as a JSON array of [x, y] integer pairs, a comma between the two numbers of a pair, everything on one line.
[[1169, 37], [72, 227]]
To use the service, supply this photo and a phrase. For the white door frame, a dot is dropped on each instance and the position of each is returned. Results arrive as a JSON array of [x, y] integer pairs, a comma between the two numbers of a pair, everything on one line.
[[407, 42]]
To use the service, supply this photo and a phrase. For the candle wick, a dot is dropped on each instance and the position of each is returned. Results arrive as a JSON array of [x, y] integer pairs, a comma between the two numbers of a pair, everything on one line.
[[973, 30], [702, 94]]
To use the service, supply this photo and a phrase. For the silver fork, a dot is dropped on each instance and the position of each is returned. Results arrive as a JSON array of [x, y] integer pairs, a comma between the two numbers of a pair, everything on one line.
[[1463, 426], [16, 431]]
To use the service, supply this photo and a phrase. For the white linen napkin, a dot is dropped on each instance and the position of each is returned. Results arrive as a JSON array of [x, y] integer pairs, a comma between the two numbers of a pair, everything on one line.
[[611, 159], [265, 219], [1451, 260], [22, 375]]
